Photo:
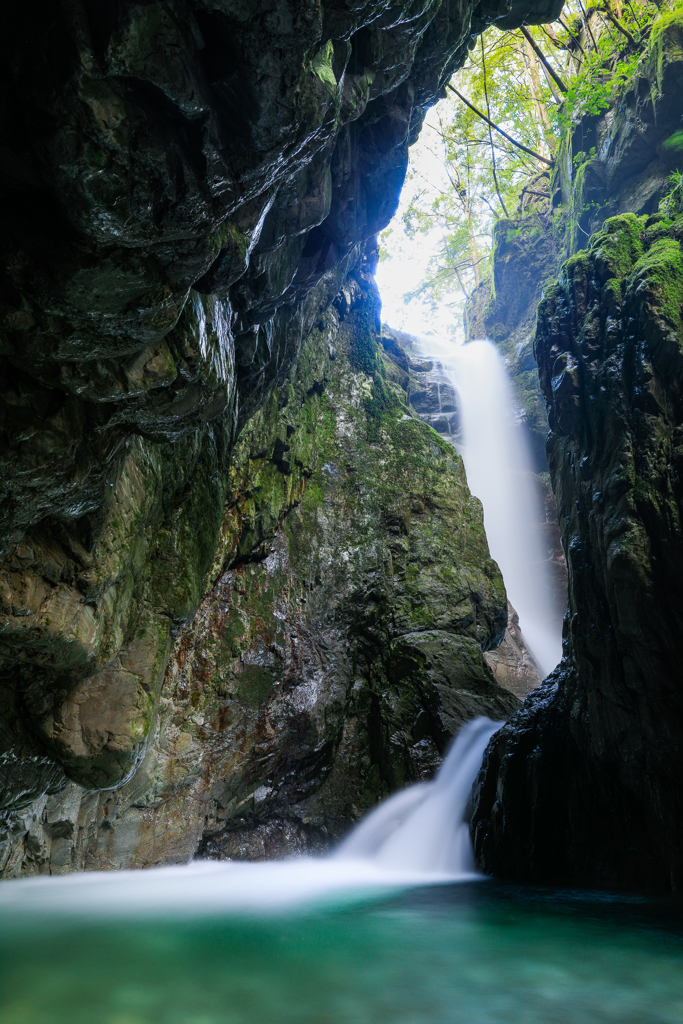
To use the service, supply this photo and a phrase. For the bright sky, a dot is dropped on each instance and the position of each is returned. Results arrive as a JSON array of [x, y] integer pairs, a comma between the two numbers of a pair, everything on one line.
[[408, 258]]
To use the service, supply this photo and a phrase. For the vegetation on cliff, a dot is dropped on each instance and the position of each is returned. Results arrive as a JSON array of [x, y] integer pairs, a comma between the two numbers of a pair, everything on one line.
[[545, 87]]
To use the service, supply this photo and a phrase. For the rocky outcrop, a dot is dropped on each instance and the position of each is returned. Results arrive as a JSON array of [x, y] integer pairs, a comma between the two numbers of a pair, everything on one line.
[[428, 386], [525, 256], [584, 784], [512, 662], [431, 394], [185, 188], [337, 652]]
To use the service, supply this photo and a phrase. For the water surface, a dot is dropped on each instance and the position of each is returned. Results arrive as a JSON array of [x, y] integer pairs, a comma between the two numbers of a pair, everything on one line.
[[468, 952]]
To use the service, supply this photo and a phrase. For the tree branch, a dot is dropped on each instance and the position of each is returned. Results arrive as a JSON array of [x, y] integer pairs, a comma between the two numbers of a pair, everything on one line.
[[617, 24], [519, 145], [572, 36], [488, 111], [586, 25], [556, 42], [541, 56]]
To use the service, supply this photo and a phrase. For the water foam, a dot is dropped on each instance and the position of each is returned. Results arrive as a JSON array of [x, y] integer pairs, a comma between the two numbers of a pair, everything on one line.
[[419, 836]]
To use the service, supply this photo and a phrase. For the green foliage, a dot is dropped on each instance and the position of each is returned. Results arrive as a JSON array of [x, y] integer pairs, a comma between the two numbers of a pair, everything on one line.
[[660, 269], [672, 203], [603, 75], [674, 143], [464, 176]]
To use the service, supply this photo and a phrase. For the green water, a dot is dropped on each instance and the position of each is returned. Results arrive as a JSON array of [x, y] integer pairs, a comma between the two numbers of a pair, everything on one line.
[[468, 953]]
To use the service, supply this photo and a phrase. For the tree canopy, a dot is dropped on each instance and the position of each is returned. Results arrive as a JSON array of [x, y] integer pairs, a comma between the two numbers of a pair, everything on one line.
[[487, 148]]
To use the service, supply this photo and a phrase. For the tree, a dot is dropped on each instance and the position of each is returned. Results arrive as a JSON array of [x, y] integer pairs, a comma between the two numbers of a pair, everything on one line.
[[530, 84]]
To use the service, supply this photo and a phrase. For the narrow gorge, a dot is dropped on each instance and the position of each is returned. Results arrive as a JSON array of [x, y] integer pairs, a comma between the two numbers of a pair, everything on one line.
[[246, 592]]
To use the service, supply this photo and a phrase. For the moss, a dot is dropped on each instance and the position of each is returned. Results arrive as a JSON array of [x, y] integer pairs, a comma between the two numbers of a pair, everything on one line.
[[573, 269], [619, 244], [231, 638], [254, 685], [366, 355], [665, 45], [321, 65], [661, 268]]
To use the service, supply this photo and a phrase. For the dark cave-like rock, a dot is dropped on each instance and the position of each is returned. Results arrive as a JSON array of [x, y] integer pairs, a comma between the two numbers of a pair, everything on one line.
[[584, 784], [186, 187]]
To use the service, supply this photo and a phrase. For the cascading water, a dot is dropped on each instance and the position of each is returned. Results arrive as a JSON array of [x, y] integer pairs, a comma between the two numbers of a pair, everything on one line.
[[499, 473], [423, 828], [415, 837]]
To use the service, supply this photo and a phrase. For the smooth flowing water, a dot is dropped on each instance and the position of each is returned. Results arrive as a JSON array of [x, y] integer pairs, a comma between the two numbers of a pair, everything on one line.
[[499, 472], [394, 927], [472, 952]]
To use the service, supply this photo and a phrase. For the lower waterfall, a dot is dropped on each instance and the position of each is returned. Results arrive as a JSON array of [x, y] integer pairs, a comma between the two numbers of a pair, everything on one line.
[[499, 473], [424, 828], [416, 837]]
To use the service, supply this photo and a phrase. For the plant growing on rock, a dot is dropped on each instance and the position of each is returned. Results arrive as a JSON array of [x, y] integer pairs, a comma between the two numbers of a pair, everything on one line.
[[500, 129]]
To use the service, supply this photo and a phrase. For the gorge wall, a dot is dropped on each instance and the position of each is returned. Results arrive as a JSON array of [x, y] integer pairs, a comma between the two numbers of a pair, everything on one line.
[[431, 393], [583, 785], [245, 591], [338, 650], [187, 189]]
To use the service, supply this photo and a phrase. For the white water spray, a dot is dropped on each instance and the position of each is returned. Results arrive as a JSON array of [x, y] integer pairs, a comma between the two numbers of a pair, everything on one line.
[[499, 472], [423, 828], [418, 836]]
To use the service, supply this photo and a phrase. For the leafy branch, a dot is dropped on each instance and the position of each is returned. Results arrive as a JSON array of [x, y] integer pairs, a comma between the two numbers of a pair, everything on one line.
[[519, 145]]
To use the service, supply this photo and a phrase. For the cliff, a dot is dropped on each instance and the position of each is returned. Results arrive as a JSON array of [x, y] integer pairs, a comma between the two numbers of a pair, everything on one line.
[[337, 651], [583, 785], [245, 591], [186, 188], [431, 393]]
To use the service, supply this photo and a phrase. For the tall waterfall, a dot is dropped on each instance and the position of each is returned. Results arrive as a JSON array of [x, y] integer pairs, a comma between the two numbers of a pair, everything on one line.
[[499, 473]]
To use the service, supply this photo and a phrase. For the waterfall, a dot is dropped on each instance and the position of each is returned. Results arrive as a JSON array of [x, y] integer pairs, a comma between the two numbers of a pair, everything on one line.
[[499, 473], [424, 828], [416, 837]]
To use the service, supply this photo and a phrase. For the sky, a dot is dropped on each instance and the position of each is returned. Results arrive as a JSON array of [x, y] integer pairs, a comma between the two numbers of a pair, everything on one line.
[[408, 258]]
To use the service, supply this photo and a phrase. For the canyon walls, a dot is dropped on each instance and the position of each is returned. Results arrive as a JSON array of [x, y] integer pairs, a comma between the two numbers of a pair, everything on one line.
[[245, 592], [185, 186], [583, 785], [339, 648]]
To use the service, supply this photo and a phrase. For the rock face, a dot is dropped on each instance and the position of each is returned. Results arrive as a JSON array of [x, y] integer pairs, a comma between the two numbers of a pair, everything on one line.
[[584, 784], [620, 161], [337, 654], [185, 189], [431, 394], [512, 662], [526, 254]]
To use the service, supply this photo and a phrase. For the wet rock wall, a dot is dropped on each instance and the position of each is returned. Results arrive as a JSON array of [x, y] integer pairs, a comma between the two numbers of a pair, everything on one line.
[[339, 648], [584, 784], [185, 186]]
